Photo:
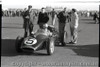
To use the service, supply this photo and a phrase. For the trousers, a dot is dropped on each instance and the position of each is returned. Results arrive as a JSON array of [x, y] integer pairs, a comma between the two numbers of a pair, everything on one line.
[[61, 31], [28, 27], [74, 34]]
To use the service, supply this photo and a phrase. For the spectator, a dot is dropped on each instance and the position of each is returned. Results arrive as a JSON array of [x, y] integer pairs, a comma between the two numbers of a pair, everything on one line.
[[62, 17], [96, 17], [28, 26], [74, 26], [42, 18], [53, 16]]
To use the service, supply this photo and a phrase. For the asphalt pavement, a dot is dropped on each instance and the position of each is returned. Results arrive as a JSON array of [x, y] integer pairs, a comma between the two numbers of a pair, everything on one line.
[[84, 54]]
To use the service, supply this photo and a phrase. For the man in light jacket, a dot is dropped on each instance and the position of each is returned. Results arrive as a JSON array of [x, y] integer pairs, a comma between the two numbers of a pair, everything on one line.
[[74, 26]]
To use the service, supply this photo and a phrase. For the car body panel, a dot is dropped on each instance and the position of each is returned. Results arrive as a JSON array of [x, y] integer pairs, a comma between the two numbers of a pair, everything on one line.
[[40, 40]]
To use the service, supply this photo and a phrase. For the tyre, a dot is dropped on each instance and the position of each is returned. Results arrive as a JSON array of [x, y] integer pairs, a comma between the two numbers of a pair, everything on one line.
[[18, 44], [50, 46]]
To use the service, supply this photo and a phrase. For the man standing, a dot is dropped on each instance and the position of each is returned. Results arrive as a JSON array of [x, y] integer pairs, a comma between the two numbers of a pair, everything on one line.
[[42, 18], [53, 16], [28, 25], [96, 17], [62, 17], [74, 26]]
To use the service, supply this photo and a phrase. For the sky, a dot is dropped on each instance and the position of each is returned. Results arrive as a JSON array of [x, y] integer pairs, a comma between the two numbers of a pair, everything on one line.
[[78, 4]]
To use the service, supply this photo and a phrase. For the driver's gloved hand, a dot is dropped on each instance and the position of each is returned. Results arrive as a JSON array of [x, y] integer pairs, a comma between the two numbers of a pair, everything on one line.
[[32, 34]]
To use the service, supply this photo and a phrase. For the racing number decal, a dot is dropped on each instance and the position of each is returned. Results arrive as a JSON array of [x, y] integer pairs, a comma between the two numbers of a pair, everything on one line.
[[30, 41]]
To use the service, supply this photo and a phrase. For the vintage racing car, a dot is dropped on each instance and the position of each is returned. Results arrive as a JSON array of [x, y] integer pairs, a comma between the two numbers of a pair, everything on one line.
[[37, 42]]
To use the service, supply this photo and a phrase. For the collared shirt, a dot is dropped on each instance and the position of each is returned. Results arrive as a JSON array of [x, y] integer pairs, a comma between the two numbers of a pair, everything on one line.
[[74, 20], [62, 16]]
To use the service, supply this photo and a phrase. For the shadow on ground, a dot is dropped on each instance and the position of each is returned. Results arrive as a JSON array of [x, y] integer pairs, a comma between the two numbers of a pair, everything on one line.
[[91, 50], [8, 49]]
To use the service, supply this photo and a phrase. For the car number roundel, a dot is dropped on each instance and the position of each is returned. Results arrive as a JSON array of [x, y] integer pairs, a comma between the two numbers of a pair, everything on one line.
[[30, 41]]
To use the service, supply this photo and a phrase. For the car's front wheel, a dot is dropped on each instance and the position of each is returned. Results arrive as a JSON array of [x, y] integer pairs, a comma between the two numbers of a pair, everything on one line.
[[18, 44], [50, 46]]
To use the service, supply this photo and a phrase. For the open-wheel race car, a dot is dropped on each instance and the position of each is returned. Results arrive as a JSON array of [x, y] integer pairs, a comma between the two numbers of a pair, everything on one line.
[[38, 42]]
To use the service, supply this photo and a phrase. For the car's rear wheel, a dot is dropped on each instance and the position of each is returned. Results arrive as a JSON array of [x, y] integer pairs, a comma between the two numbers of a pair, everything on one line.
[[50, 46], [18, 44]]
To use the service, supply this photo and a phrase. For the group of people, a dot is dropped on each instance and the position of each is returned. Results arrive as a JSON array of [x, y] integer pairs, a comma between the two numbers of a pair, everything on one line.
[[71, 18], [12, 13], [43, 18]]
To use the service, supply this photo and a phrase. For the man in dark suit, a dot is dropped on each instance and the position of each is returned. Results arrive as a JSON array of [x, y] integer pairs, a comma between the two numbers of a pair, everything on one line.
[[43, 18], [62, 17], [28, 25]]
